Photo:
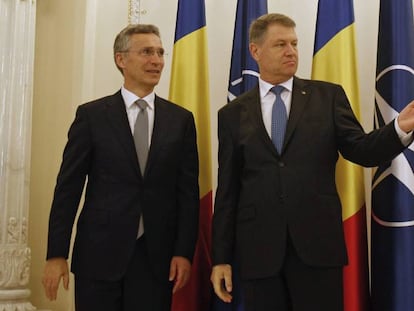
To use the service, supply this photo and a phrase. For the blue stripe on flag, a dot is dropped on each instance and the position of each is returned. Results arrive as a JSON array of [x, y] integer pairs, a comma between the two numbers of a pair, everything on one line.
[[190, 17], [334, 23]]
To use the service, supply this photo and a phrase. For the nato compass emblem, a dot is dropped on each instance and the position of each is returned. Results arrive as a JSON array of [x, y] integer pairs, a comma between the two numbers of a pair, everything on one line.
[[393, 182]]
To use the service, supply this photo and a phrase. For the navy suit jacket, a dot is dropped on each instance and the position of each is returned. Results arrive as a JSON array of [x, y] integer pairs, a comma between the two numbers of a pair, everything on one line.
[[263, 195], [100, 148]]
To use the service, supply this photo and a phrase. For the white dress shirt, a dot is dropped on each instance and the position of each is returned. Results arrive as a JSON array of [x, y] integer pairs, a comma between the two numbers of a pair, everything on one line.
[[133, 110], [267, 98]]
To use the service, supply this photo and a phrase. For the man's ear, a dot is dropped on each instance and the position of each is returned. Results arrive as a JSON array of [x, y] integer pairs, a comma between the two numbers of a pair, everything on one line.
[[254, 51], [120, 59]]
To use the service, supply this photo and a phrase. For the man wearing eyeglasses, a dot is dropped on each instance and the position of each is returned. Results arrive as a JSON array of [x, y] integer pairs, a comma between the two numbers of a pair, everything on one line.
[[136, 232]]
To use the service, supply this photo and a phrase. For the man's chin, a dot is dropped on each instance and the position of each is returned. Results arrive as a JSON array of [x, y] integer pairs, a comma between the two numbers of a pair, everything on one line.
[[291, 71], [153, 82]]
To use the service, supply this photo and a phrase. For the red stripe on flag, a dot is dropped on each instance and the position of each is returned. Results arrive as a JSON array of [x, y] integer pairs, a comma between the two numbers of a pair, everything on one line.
[[196, 295], [356, 285]]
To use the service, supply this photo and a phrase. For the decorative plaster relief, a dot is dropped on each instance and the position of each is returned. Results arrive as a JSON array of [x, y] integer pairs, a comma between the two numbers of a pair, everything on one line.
[[16, 229], [135, 11], [14, 267], [17, 306]]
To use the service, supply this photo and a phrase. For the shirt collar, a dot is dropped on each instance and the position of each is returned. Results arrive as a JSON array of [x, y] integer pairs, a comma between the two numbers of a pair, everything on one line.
[[266, 86], [130, 98]]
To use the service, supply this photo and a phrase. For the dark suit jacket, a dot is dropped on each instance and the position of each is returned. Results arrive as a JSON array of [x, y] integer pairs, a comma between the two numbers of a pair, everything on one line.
[[100, 148], [263, 195]]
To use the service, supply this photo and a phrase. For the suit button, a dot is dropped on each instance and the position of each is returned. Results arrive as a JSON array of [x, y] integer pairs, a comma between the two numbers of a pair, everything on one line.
[[281, 164]]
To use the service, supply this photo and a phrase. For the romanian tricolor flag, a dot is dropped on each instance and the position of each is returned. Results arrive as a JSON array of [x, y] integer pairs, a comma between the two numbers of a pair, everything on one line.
[[189, 88], [334, 60]]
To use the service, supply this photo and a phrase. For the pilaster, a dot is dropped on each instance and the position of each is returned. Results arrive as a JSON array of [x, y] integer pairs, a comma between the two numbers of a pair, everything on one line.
[[17, 31]]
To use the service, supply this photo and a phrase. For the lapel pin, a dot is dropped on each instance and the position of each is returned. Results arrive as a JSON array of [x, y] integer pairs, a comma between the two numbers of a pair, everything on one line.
[[303, 92]]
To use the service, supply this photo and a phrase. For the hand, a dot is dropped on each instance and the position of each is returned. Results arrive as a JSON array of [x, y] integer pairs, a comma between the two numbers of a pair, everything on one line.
[[406, 118], [222, 283], [180, 270], [55, 269]]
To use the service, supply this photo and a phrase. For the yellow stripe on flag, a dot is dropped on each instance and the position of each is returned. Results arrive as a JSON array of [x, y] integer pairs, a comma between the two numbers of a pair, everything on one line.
[[189, 88], [336, 63]]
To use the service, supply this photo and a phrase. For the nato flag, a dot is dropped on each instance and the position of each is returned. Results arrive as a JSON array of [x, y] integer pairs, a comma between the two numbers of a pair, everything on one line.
[[393, 183], [244, 70], [243, 76]]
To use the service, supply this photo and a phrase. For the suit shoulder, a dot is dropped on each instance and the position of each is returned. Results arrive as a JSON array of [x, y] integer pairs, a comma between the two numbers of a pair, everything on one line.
[[317, 84], [171, 107], [99, 102], [247, 98]]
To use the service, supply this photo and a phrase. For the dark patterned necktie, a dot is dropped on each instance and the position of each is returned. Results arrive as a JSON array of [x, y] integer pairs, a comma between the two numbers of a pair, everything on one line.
[[279, 118]]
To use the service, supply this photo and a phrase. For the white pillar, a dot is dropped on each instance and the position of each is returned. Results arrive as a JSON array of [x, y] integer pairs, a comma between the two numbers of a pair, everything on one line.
[[17, 32]]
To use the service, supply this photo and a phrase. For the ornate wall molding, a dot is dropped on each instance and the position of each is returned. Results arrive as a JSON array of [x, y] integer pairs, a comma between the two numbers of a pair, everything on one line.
[[135, 12], [14, 267], [17, 231]]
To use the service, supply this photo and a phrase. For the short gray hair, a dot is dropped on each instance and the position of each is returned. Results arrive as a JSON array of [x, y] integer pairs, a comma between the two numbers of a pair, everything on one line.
[[258, 27]]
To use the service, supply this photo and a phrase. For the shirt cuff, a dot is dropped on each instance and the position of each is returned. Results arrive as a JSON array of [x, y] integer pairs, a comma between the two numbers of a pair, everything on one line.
[[406, 138]]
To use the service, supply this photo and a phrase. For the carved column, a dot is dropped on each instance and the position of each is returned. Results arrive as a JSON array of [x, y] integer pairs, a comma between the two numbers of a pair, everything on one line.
[[135, 11], [17, 31]]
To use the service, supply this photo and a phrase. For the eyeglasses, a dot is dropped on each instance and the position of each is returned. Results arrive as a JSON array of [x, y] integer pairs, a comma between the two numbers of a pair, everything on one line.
[[148, 52]]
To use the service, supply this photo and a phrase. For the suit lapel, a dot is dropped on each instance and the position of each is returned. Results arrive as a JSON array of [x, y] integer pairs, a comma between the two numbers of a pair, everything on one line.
[[160, 126], [118, 119], [300, 99], [252, 111]]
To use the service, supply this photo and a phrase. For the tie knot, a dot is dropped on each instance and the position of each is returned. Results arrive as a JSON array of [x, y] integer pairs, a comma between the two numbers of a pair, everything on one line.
[[278, 89], [142, 104]]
